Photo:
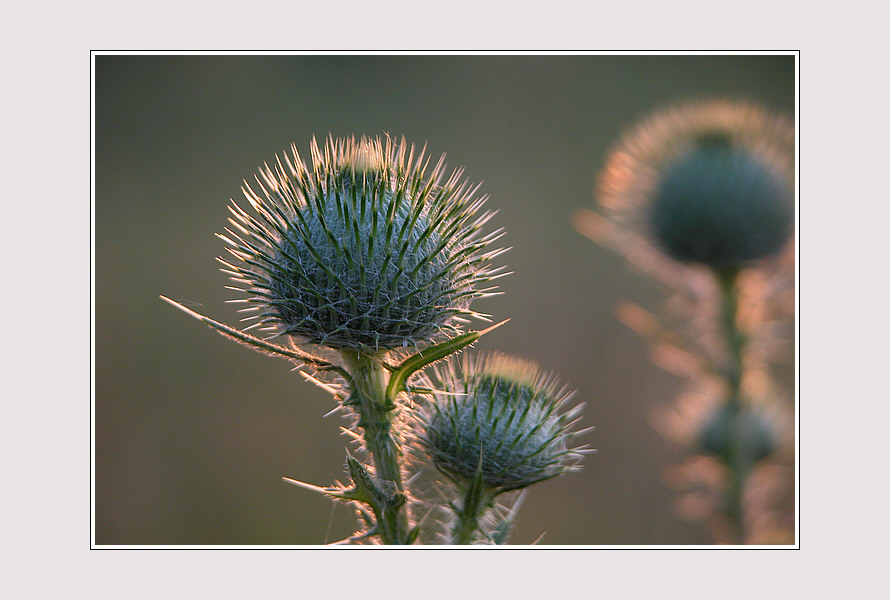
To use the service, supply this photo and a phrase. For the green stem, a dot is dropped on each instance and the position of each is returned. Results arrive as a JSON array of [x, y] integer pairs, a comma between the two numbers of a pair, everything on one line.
[[376, 416], [735, 458], [476, 501]]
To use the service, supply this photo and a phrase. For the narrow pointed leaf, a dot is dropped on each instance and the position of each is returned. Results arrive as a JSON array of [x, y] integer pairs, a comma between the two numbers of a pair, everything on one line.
[[251, 341], [412, 534], [331, 492], [399, 378]]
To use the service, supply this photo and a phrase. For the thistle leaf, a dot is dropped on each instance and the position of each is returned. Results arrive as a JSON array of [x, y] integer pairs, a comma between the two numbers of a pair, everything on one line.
[[254, 342], [399, 378]]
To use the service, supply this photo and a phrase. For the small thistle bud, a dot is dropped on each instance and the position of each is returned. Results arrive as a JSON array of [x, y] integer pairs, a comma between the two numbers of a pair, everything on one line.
[[500, 419], [365, 158], [755, 434], [709, 183], [364, 250]]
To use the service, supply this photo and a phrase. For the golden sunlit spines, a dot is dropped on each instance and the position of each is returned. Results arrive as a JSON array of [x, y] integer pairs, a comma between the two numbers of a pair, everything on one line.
[[415, 229]]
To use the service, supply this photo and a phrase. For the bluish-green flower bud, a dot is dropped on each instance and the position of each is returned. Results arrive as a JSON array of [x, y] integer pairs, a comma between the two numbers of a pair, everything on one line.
[[708, 183], [500, 418], [366, 249], [754, 434], [721, 206]]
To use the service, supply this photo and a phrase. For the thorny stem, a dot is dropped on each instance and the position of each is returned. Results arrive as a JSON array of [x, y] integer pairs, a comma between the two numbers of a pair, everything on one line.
[[475, 502], [376, 415], [736, 459]]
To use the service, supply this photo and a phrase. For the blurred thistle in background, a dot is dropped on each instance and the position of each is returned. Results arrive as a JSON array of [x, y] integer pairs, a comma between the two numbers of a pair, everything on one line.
[[700, 197]]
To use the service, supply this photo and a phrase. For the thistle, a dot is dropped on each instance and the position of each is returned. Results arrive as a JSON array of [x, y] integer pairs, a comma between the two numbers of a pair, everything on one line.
[[708, 183], [370, 254], [363, 251], [753, 430], [497, 424], [700, 196]]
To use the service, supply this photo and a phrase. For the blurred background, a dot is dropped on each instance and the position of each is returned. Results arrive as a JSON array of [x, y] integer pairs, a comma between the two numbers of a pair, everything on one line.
[[193, 432]]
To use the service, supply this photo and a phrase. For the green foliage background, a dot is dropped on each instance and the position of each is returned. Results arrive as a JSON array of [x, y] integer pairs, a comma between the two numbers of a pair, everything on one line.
[[194, 432]]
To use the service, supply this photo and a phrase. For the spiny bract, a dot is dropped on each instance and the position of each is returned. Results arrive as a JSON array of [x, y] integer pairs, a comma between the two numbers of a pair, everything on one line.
[[363, 250], [709, 183], [501, 416]]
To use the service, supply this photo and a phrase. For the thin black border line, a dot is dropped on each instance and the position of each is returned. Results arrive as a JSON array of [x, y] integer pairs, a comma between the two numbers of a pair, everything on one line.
[[422, 51]]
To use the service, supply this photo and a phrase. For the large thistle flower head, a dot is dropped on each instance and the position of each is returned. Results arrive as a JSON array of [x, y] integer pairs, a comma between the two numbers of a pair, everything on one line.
[[707, 182], [501, 419], [366, 248]]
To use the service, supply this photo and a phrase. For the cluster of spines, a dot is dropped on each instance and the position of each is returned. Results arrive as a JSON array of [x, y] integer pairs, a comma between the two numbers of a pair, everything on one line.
[[393, 218], [500, 419]]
